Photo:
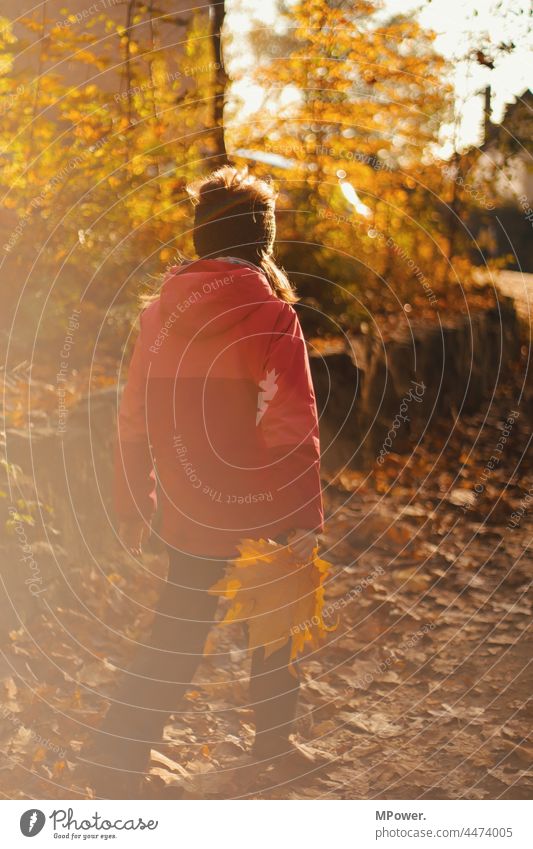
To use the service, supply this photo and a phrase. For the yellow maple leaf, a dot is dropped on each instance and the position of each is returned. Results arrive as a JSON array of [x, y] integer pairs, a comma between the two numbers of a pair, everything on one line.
[[279, 598]]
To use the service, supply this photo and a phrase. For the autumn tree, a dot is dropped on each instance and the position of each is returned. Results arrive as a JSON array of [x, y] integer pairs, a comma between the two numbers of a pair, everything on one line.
[[359, 135], [93, 177]]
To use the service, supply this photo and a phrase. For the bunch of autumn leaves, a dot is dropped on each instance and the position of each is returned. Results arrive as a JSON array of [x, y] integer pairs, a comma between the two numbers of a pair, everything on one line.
[[279, 598]]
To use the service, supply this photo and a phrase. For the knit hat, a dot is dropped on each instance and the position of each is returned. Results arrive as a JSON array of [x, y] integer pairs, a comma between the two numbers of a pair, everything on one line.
[[235, 213]]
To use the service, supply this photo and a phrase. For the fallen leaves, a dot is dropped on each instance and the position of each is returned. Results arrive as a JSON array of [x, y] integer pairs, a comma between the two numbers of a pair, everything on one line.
[[421, 691], [376, 726]]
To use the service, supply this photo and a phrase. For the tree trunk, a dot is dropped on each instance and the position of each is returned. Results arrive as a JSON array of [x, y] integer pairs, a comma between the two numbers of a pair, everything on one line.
[[220, 82]]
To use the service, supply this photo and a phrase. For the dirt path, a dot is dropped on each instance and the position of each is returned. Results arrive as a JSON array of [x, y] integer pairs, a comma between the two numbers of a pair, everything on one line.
[[422, 690]]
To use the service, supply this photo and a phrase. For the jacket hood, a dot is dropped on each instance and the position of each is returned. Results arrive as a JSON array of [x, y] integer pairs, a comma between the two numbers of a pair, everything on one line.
[[212, 295]]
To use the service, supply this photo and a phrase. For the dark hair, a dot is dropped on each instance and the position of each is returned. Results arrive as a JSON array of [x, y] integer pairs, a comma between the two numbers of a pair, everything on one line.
[[235, 216]]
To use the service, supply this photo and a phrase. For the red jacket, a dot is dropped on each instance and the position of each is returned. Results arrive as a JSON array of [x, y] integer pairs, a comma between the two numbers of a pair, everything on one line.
[[219, 410]]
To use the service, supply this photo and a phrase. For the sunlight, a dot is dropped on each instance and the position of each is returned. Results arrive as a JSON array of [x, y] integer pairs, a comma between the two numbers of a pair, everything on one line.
[[459, 32], [353, 198]]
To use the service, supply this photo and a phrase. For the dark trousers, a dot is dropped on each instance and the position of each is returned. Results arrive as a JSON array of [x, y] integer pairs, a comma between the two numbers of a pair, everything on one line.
[[163, 670]]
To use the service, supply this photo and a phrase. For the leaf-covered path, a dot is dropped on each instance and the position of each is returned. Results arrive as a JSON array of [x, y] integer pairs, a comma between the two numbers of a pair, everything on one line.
[[421, 692]]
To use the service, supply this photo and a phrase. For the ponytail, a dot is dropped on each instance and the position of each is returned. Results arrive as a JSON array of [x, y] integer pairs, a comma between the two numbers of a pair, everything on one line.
[[278, 280]]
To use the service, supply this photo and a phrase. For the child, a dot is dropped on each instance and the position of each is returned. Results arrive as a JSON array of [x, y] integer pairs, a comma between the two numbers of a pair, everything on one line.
[[219, 410]]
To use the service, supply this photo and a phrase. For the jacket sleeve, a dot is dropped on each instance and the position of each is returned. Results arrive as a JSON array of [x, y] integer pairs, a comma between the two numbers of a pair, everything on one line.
[[287, 416], [134, 481]]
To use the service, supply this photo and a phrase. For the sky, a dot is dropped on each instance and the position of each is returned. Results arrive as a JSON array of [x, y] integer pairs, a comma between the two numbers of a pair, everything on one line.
[[462, 26]]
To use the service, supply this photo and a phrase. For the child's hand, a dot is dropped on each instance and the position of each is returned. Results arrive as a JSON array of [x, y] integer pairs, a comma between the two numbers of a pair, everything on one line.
[[302, 542], [132, 534]]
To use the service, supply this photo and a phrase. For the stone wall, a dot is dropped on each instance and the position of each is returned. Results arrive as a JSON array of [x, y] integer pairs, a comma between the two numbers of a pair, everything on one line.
[[431, 372]]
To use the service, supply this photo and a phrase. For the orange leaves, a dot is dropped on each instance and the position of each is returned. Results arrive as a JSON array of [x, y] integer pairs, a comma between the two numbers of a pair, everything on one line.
[[372, 96], [278, 598]]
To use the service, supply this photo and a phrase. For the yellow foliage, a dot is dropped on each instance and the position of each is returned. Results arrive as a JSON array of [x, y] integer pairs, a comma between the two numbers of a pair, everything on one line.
[[278, 597]]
